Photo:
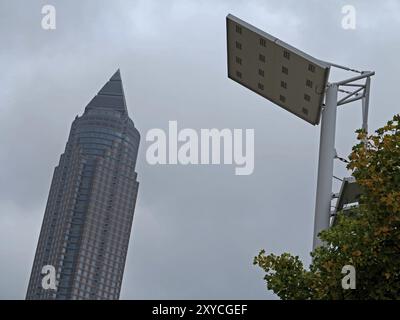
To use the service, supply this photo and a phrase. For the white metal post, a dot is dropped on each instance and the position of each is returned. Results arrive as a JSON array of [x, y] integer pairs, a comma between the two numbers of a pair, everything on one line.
[[325, 164], [365, 105]]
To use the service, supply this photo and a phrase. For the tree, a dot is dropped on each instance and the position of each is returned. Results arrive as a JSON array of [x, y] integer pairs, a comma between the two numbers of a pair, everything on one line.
[[367, 237]]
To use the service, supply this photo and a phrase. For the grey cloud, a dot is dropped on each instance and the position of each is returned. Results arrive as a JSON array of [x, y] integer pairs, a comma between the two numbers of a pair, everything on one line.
[[196, 228]]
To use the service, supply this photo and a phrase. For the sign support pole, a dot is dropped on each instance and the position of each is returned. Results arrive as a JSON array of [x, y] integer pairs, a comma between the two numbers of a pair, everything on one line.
[[325, 164]]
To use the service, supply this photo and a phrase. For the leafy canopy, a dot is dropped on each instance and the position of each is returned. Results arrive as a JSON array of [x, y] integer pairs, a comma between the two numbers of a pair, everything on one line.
[[367, 237]]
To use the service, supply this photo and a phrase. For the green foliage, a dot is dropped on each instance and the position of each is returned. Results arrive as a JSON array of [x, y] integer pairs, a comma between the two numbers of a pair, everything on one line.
[[367, 237]]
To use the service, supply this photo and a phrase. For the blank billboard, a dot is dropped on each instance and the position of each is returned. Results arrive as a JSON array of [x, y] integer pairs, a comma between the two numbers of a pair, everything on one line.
[[275, 70]]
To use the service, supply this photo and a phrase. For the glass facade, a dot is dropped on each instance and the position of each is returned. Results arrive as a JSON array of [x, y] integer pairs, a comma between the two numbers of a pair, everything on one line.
[[89, 213]]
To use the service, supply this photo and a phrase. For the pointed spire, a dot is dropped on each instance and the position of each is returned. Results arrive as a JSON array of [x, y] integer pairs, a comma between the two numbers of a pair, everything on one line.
[[116, 76], [111, 96]]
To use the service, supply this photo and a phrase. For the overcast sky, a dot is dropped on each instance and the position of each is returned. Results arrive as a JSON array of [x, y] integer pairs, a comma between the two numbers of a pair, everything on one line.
[[196, 228]]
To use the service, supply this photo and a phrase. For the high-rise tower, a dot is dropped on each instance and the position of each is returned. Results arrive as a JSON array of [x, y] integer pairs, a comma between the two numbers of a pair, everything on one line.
[[89, 213]]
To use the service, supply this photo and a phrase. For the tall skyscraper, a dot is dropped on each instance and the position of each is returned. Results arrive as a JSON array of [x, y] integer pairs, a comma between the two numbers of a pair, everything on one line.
[[89, 213]]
